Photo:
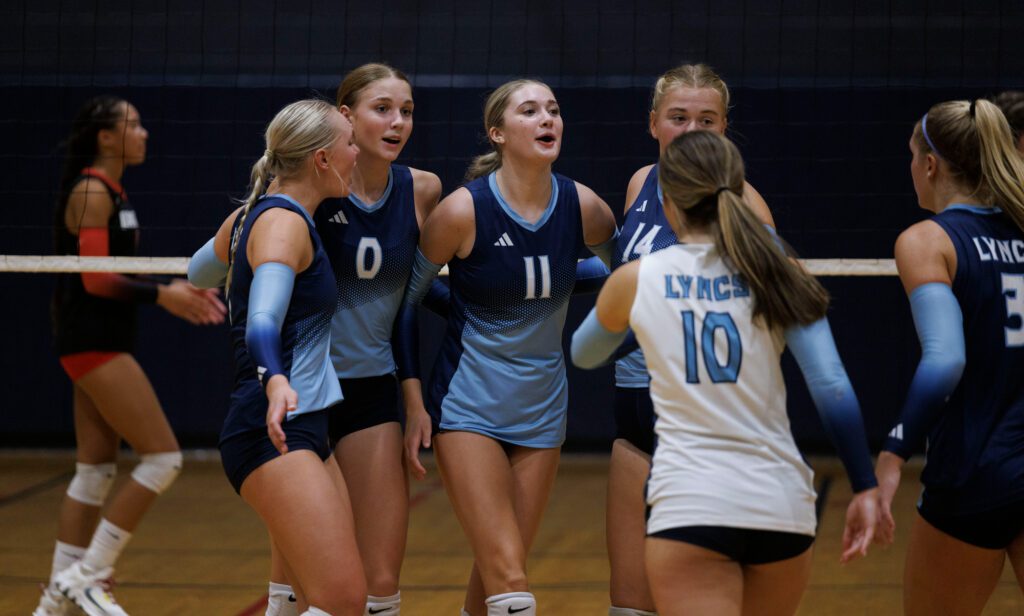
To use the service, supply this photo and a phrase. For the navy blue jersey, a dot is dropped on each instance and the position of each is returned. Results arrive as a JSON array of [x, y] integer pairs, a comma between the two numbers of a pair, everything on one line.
[[501, 372], [371, 248], [304, 334], [644, 230], [976, 450]]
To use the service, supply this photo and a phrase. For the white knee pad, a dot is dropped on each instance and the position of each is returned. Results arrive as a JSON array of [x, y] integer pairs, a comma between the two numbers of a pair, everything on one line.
[[157, 471], [92, 482], [383, 606], [628, 611], [517, 603]]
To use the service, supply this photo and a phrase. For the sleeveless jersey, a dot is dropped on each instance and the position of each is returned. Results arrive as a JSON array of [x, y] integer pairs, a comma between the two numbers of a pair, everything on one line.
[[644, 230], [975, 455], [305, 344], [82, 321], [500, 371], [371, 248], [725, 453]]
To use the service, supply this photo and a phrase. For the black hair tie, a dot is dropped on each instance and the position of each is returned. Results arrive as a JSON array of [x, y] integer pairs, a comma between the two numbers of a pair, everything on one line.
[[720, 190]]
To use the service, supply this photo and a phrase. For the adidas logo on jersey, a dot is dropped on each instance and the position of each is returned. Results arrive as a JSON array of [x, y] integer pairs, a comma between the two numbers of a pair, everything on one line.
[[504, 240], [897, 432], [643, 206], [260, 371], [339, 218]]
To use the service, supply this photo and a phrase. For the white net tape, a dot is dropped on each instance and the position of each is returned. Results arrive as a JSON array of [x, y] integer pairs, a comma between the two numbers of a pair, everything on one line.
[[179, 265]]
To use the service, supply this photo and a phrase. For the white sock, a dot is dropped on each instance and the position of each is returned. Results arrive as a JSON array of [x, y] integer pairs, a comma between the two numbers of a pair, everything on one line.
[[65, 555], [106, 545], [383, 606], [514, 603], [281, 600], [463, 612], [628, 611], [313, 611]]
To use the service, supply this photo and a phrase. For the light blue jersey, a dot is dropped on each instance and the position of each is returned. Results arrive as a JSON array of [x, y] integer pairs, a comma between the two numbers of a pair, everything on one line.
[[501, 371], [371, 248]]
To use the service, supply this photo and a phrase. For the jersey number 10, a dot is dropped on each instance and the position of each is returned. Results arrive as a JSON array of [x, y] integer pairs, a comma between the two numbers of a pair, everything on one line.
[[719, 372]]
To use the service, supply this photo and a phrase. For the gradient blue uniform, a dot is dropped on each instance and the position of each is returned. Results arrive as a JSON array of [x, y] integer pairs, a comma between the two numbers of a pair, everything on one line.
[[976, 445], [644, 230], [304, 348], [501, 372], [371, 248]]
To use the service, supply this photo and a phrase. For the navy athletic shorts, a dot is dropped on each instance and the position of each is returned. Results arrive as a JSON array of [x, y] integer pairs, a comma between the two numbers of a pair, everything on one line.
[[243, 453]]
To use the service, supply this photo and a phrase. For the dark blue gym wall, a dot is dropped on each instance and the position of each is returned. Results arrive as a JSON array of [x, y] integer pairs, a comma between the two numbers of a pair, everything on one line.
[[824, 92]]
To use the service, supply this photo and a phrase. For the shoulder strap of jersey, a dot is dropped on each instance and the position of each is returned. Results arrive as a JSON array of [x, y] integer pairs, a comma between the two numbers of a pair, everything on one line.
[[115, 189]]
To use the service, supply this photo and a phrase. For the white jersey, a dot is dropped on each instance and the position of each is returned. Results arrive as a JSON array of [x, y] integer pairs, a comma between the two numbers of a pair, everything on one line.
[[725, 454]]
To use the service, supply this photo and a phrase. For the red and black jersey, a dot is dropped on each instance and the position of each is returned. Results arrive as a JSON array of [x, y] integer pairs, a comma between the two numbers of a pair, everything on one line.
[[96, 311]]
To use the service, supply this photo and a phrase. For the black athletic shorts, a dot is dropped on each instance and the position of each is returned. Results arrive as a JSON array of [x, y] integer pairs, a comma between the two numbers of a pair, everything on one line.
[[744, 545], [634, 417], [994, 529], [368, 402]]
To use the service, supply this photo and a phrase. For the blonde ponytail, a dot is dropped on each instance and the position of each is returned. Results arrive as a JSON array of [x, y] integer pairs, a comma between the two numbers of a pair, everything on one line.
[[1001, 164], [483, 165], [297, 131]]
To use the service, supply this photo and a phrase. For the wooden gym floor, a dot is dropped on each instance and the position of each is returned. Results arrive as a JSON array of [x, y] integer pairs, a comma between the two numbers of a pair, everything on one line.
[[202, 551]]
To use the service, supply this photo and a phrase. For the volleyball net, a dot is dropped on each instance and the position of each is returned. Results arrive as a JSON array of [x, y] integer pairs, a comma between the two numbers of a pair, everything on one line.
[[179, 265]]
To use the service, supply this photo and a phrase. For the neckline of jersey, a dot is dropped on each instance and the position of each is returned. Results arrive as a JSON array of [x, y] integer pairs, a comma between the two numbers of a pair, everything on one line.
[[379, 203], [984, 210], [492, 183], [289, 199]]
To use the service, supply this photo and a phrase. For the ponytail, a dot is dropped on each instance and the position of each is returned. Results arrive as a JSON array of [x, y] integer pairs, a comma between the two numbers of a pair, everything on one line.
[[258, 180], [1001, 164], [297, 131], [483, 165], [702, 175]]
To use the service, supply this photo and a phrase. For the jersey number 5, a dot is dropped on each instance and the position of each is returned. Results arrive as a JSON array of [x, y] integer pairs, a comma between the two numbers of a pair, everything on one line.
[[719, 372], [1013, 289]]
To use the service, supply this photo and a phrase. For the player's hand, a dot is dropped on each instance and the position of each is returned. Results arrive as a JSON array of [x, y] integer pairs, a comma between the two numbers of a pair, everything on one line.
[[888, 471], [281, 399], [195, 305], [861, 521], [417, 435]]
